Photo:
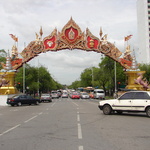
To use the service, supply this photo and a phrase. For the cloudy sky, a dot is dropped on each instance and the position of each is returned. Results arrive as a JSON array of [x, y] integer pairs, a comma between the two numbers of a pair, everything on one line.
[[25, 17]]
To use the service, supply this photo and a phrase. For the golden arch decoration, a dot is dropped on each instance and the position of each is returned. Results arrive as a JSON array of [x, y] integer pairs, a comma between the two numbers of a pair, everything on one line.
[[71, 37]]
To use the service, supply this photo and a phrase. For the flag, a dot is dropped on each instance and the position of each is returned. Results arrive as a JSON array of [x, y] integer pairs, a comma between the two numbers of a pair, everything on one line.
[[14, 37], [127, 37]]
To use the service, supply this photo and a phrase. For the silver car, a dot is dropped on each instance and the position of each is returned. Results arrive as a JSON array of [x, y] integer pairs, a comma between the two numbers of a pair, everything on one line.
[[46, 97], [85, 95], [55, 94]]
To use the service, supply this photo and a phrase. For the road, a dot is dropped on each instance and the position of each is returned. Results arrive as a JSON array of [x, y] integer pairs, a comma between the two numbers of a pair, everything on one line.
[[67, 124]]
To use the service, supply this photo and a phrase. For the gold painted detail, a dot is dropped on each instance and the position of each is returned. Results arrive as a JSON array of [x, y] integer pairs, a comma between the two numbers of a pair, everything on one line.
[[71, 37]]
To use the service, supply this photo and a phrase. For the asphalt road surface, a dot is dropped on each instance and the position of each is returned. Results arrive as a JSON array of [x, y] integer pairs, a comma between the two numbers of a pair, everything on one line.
[[67, 124]]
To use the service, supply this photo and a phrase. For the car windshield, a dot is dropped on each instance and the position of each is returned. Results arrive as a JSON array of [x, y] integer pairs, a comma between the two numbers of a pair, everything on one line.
[[45, 95], [64, 93], [54, 92], [16, 96], [100, 91], [84, 93], [75, 93]]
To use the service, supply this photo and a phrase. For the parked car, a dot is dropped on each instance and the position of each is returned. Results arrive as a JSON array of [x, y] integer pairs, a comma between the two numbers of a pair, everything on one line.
[[75, 95], [85, 95], [134, 101], [46, 97], [99, 94], [54, 94], [64, 95], [22, 99]]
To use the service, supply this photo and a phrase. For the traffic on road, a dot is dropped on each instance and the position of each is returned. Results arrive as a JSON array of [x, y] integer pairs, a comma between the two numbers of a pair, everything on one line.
[[71, 124]]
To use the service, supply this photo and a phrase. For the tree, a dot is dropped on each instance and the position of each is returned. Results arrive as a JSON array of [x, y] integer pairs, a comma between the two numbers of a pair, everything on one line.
[[3, 55], [100, 78], [36, 79], [108, 73], [86, 77], [75, 85], [145, 67]]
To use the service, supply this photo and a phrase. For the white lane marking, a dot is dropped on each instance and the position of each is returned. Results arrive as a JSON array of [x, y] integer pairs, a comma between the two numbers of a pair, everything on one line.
[[53, 104], [75, 103], [79, 131], [81, 148], [30, 119], [40, 113], [78, 117], [14, 110], [10, 129]]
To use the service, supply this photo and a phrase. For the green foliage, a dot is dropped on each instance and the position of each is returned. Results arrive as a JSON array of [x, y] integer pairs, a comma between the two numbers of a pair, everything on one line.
[[145, 67], [100, 78], [36, 79], [3, 53], [75, 85], [2, 57], [103, 76], [86, 77]]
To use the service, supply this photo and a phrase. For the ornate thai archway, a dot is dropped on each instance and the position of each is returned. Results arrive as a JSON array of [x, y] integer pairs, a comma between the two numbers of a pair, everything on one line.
[[71, 37]]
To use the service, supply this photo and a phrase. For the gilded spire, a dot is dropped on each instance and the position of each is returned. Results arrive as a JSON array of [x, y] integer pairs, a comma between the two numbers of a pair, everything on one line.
[[8, 62], [101, 32], [41, 32]]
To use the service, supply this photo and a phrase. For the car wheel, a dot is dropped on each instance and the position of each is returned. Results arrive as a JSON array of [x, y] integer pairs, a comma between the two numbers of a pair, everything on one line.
[[107, 110], [148, 111], [19, 104], [12, 104]]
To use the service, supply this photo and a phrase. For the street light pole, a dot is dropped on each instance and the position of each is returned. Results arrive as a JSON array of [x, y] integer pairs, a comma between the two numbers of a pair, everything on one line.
[[115, 80], [23, 78], [92, 77], [115, 76], [24, 64], [38, 79]]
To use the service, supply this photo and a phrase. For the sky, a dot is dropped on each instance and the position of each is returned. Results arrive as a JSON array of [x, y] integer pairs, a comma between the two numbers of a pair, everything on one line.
[[23, 18]]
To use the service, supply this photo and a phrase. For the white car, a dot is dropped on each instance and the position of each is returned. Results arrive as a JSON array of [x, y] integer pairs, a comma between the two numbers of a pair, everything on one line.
[[85, 95], [134, 101], [99, 94], [64, 95]]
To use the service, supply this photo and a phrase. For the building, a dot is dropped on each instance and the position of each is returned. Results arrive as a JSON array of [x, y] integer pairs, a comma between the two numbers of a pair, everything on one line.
[[143, 24]]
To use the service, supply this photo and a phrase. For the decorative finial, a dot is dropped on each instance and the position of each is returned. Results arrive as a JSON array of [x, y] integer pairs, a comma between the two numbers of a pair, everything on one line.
[[101, 32], [41, 32]]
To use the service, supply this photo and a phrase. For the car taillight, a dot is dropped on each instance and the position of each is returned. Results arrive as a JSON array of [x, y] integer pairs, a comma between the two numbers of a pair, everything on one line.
[[11, 100]]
